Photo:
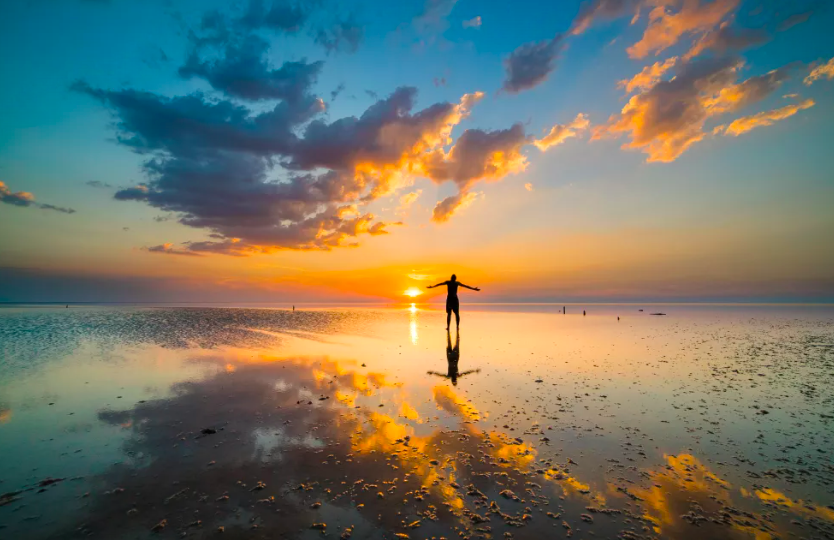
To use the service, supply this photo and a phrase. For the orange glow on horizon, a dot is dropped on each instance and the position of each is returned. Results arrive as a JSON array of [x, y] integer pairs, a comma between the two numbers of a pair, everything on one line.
[[412, 292]]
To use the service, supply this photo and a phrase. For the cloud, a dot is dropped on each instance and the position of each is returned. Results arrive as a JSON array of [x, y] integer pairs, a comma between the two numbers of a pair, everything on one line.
[[478, 155], [609, 9], [666, 26], [98, 184], [26, 199], [243, 72], [169, 249], [727, 38], [762, 119], [474, 22], [19, 198], [530, 64], [796, 18], [408, 199], [433, 18], [648, 76], [822, 71], [666, 119], [282, 15], [192, 124], [61, 209], [528, 186], [336, 91], [560, 133], [444, 209], [387, 139], [344, 35], [277, 179]]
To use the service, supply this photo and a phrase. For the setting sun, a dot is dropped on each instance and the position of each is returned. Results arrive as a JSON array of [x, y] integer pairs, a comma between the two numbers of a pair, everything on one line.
[[412, 292]]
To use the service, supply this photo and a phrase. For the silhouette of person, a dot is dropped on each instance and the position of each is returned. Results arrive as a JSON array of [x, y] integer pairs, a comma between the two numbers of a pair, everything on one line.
[[452, 302], [452, 357]]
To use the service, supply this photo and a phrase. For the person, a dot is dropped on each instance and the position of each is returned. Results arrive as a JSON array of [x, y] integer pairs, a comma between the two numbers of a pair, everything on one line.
[[452, 358], [452, 302]]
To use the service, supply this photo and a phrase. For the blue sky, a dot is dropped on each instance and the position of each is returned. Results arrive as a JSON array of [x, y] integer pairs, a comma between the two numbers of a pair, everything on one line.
[[738, 217]]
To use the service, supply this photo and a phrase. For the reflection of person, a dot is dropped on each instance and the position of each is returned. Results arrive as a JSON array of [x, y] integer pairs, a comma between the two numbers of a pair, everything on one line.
[[452, 357], [452, 302]]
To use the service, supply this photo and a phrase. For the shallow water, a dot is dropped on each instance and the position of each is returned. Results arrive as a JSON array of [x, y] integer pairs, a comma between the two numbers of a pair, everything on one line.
[[708, 422]]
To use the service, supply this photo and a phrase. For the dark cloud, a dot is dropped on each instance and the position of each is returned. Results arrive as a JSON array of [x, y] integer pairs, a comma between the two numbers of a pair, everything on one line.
[[344, 35], [798, 18], [530, 64], [61, 209], [98, 184], [243, 72], [351, 140], [728, 38], [284, 16], [213, 163], [191, 124], [336, 91], [154, 57], [26, 199], [334, 30], [169, 249]]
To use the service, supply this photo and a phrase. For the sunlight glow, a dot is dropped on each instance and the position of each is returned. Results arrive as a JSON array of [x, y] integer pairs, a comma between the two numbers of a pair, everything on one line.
[[412, 292]]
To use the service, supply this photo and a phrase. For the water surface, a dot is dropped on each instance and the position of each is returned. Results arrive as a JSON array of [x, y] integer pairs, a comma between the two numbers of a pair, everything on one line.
[[132, 422]]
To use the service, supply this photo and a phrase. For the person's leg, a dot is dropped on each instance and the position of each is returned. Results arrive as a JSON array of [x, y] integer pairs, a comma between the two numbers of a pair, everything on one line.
[[457, 317], [448, 318]]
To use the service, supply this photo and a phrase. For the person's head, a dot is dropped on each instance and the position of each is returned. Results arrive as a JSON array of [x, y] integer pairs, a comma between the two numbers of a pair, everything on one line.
[[454, 277]]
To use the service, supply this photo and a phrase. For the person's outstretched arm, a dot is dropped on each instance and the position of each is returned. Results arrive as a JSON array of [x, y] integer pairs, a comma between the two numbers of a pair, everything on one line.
[[468, 287], [438, 285]]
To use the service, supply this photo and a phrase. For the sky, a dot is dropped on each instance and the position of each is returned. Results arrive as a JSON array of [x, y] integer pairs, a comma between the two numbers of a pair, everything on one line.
[[329, 151]]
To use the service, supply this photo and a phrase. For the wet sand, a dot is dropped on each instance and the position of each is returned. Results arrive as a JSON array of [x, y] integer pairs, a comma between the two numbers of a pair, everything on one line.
[[712, 422]]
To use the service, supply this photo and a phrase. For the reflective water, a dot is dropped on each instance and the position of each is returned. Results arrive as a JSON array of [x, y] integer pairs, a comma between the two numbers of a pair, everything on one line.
[[708, 422]]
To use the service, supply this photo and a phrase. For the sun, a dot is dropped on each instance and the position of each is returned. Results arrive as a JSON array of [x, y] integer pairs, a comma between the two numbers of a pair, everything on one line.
[[412, 292]]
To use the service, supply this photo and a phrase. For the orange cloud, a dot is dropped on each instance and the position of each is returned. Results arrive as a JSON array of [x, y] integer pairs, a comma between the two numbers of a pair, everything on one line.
[[824, 71], [444, 209], [648, 76], [766, 118], [560, 133], [666, 119], [667, 27]]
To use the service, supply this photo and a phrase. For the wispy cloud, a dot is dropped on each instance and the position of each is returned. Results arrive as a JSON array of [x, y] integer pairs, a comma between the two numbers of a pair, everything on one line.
[[822, 71], [648, 76], [560, 133], [667, 26], [98, 184], [26, 199], [169, 249], [474, 22], [762, 119]]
